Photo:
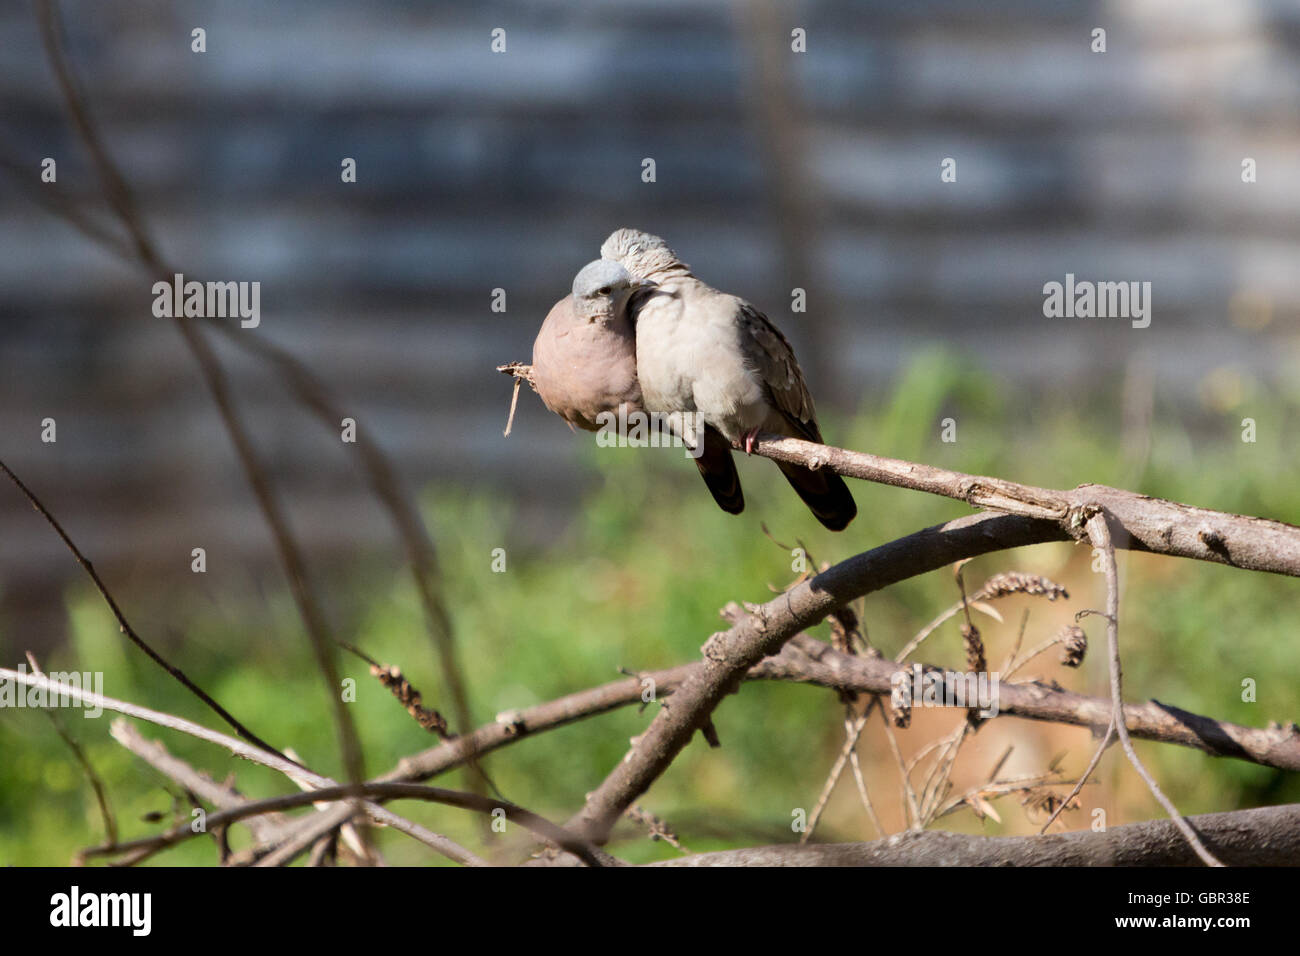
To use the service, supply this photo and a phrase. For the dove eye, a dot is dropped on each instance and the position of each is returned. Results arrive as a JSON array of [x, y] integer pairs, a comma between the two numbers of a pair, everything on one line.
[[603, 290]]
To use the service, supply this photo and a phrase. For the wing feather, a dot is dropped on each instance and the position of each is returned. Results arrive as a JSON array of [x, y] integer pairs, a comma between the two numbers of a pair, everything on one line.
[[772, 356]]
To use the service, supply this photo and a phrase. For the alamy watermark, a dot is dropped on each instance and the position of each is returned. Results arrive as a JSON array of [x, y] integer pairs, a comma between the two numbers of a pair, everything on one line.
[[1098, 300], [934, 688], [210, 300], [637, 429], [16, 693], [133, 911]]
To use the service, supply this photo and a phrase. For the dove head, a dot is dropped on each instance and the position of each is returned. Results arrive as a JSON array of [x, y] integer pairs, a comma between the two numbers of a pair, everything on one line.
[[642, 254], [601, 288]]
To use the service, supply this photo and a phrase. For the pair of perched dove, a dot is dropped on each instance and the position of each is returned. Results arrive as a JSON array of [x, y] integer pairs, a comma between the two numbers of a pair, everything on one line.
[[641, 333]]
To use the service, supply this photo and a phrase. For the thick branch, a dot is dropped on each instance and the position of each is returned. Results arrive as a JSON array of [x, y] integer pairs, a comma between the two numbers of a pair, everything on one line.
[[807, 659], [729, 654], [1267, 836], [1152, 524]]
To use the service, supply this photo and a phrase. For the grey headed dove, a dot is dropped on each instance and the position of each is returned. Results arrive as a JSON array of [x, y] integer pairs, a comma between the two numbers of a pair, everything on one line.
[[584, 357], [702, 351], [584, 364]]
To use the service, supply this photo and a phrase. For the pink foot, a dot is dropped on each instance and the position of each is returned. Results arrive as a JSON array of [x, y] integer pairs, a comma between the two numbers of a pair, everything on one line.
[[749, 440]]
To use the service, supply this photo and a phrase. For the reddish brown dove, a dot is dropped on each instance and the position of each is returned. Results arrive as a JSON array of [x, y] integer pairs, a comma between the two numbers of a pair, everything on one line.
[[702, 351], [584, 358], [584, 365]]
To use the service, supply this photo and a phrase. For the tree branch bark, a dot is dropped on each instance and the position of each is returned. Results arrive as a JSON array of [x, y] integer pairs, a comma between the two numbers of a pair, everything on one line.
[[1030, 515], [1152, 524], [1266, 836], [727, 655]]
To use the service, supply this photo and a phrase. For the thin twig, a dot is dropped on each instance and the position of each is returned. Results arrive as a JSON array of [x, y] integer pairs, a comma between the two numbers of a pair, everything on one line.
[[936, 782], [120, 199], [823, 798], [96, 784], [998, 788], [1046, 645], [538, 825], [125, 626], [221, 796], [1020, 639], [55, 203], [861, 781], [1106, 740], [242, 749], [852, 731], [1099, 534], [920, 637], [913, 821]]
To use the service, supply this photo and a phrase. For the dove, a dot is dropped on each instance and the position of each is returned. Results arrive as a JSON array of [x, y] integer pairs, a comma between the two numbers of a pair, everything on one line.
[[584, 365], [584, 357], [702, 351]]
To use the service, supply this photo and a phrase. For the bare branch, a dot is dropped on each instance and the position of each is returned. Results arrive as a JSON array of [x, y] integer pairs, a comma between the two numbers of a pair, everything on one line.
[[120, 199], [241, 749], [125, 626], [1265, 836], [313, 395], [1152, 524], [808, 660], [1032, 515], [538, 825], [384, 484], [79, 754], [1099, 534], [220, 795]]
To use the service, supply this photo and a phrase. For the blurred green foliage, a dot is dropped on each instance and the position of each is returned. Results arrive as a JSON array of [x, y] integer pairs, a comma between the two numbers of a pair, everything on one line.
[[635, 578]]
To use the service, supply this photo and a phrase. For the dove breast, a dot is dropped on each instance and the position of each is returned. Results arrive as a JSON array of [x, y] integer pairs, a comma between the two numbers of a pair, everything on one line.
[[582, 368], [696, 360]]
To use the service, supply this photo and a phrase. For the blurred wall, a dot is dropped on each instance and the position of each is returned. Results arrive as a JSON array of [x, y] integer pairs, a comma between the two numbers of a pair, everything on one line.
[[479, 170]]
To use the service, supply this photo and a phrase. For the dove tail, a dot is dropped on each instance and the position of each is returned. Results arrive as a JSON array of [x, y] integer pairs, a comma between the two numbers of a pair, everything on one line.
[[824, 492], [718, 469]]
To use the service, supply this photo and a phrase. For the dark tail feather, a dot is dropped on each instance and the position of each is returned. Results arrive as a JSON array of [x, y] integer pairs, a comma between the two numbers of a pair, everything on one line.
[[824, 492], [718, 469]]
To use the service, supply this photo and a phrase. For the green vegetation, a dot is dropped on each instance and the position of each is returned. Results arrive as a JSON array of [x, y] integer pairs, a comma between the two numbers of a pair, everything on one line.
[[635, 580]]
